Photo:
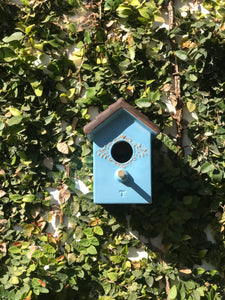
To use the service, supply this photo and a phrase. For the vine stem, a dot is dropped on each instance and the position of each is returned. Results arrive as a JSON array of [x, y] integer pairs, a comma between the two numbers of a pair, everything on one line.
[[177, 86]]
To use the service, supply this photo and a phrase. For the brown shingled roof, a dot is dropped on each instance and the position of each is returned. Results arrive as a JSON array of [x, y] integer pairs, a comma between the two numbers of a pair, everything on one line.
[[113, 108]]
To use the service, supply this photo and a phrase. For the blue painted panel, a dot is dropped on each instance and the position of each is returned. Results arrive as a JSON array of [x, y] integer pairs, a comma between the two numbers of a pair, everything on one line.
[[122, 143]]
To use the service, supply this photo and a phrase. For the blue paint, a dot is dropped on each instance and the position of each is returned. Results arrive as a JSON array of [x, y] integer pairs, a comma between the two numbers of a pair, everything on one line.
[[122, 142]]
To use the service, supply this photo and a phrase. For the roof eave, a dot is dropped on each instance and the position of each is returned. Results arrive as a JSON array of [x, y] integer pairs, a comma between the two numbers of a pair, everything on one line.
[[113, 108]]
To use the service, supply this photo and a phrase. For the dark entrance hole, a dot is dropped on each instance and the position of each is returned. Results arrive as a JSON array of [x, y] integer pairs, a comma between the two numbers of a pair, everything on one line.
[[121, 152]]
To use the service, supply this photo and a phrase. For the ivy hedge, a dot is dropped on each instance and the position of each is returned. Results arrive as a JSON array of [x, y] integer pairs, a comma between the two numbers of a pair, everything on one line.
[[57, 59]]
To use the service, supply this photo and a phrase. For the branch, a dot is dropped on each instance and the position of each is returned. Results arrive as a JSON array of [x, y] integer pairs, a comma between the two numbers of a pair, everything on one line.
[[177, 86]]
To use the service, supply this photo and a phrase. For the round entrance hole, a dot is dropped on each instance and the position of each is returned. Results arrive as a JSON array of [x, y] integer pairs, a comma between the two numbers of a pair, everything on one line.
[[121, 152]]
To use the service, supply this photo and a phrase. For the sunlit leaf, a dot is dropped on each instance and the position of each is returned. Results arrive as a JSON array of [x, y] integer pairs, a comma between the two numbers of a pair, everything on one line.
[[14, 280], [15, 120], [14, 111], [113, 276], [191, 106], [92, 250], [49, 249], [28, 198], [172, 293], [98, 230], [16, 36], [63, 148], [181, 54], [143, 102]]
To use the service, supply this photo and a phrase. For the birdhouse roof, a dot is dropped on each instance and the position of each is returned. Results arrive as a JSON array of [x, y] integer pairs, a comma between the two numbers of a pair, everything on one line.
[[112, 109]]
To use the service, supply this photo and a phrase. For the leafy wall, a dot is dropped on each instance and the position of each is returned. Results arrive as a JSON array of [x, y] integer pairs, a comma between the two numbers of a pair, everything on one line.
[[57, 59]]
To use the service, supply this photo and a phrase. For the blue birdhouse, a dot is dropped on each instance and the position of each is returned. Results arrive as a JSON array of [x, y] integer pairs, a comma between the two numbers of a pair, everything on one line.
[[121, 138]]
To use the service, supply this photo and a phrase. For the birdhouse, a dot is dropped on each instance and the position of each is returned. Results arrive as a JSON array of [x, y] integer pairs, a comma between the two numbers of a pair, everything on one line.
[[121, 138]]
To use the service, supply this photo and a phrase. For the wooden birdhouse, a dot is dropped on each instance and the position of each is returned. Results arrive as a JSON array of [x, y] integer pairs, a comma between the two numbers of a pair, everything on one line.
[[121, 138]]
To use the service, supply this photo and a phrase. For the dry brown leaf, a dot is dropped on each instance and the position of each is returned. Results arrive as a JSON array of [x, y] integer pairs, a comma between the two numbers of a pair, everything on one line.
[[48, 163], [2, 194], [41, 224], [63, 148], [17, 244], [222, 27], [167, 87], [32, 249], [3, 247], [173, 100], [185, 271], [2, 172], [42, 283], [189, 44], [136, 265], [129, 90], [3, 221], [64, 195], [60, 258], [110, 23], [8, 115]]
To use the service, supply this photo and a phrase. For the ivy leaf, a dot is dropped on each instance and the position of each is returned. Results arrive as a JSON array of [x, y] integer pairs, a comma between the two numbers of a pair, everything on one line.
[[16, 198], [207, 167], [16, 36], [85, 150], [49, 249], [14, 280], [2, 125], [85, 242], [8, 54], [191, 106], [92, 250], [38, 91], [73, 3], [220, 130], [196, 295], [172, 293], [98, 230], [88, 232], [37, 254], [94, 241], [190, 285], [149, 280], [113, 276], [193, 77], [158, 18], [181, 54], [135, 3], [116, 259], [144, 12], [28, 198], [37, 87], [14, 250], [15, 120], [123, 11], [143, 102], [202, 253], [14, 111]]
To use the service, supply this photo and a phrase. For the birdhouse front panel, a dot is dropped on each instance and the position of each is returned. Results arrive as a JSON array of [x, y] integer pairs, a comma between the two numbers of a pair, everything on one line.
[[122, 160], [121, 138]]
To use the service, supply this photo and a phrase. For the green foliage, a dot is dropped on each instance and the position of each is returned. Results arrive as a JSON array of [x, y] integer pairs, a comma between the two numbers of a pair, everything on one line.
[[45, 93]]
